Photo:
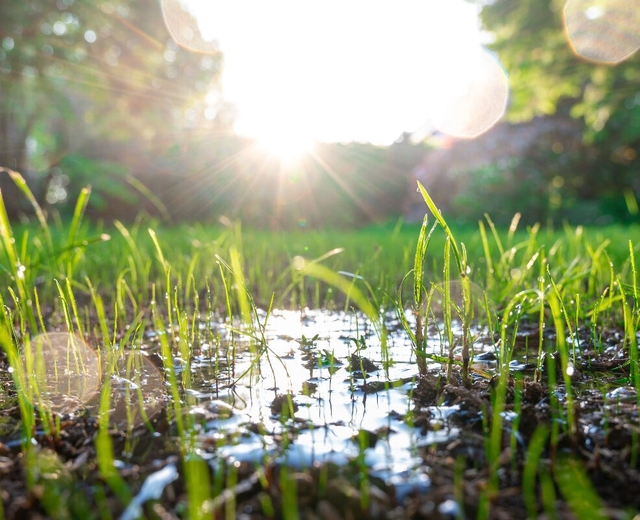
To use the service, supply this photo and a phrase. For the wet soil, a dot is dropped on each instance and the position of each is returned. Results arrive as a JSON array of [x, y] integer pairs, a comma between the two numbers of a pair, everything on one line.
[[404, 445]]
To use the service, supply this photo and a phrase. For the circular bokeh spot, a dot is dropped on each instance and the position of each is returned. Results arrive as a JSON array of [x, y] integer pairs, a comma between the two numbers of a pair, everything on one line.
[[604, 31], [472, 94], [137, 390], [62, 371], [184, 27]]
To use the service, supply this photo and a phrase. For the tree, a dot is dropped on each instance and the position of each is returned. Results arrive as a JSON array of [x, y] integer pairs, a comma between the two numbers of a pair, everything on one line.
[[547, 77], [78, 74]]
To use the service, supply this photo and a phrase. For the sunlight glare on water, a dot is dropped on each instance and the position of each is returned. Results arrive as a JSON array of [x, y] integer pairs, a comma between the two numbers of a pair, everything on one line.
[[603, 31]]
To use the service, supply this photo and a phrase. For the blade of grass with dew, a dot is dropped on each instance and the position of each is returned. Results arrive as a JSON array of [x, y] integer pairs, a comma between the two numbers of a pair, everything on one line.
[[494, 445], [446, 303], [418, 264], [172, 379], [630, 339], [25, 401], [78, 212], [557, 313], [105, 455], [15, 266]]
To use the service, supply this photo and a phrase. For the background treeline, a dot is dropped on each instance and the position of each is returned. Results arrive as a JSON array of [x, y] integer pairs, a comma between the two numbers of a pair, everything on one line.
[[96, 92], [206, 176], [595, 177]]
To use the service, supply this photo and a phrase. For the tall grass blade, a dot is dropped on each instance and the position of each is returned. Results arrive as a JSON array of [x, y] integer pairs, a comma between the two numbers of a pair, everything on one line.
[[161, 259], [490, 274], [22, 185], [241, 286], [418, 264], [440, 219], [151, 197], [530, 470], [323, 273]]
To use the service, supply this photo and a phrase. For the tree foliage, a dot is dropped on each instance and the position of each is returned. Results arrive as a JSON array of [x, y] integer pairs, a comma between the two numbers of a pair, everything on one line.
[[75, 74], [548, 77], [532, 43]]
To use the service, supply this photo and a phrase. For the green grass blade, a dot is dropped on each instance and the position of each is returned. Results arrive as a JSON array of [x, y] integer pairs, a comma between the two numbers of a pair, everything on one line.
[[341, 283], [418, 265], [78, 212], [577, 489], [438, 216], [26, 191], [151, 197], [530, 470]]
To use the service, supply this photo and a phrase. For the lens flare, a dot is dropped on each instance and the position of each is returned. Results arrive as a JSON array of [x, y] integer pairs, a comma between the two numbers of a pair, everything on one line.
[[184, 27], [336, 71], [137, 390], [63, 372], [471, 96], [603, 31]]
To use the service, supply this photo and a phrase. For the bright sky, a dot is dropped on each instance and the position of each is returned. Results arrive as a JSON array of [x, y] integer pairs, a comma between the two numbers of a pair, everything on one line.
[[339, 70]]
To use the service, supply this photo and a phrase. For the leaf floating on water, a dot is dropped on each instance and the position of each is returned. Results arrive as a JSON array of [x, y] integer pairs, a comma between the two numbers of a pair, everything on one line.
[[151, 490]]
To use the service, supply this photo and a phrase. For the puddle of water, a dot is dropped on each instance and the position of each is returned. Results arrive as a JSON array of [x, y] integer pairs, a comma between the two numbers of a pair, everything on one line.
[[349, 393], [335, 419]]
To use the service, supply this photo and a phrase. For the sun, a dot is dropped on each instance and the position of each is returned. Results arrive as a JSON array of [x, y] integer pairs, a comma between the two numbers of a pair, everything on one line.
[[328, 83], [290, 148]]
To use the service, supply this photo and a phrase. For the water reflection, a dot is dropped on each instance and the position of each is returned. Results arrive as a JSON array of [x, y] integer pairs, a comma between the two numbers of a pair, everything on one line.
[[339, 417]]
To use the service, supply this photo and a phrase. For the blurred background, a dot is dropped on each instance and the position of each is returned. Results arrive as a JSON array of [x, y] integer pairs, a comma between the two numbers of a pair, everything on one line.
[[301, 114]]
